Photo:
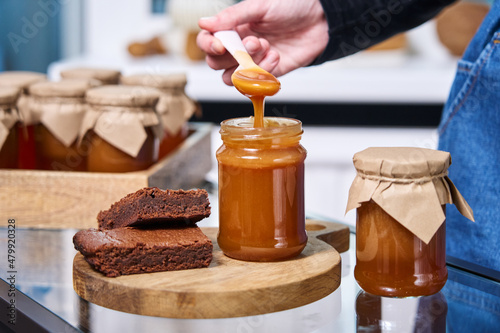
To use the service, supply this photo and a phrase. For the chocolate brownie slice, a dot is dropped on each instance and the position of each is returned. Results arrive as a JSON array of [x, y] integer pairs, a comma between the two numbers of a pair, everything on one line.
[[126, 251], [152, 205]]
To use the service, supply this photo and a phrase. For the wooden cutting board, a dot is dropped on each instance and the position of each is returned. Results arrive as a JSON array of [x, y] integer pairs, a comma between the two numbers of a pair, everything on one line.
[[228, 287]]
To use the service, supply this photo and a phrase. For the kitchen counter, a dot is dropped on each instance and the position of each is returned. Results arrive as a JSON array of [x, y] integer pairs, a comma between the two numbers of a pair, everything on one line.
[[44, 293]]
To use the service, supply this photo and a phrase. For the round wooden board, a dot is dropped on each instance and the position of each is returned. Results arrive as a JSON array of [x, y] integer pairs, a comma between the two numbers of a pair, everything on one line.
[[228, 287]]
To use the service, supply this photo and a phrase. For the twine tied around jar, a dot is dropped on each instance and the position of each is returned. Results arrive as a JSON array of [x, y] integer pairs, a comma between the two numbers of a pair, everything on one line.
[[420, 180]]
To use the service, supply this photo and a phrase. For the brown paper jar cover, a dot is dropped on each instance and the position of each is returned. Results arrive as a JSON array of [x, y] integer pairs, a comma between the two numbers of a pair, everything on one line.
[[9, 96], [105, 75], [121, 114], [174, 106], [410, 184], [22, 80], [9, 117], [60, 107]]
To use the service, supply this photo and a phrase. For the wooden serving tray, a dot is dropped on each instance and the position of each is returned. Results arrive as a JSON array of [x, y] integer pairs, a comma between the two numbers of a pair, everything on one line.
[[63, 199], [228, 287]]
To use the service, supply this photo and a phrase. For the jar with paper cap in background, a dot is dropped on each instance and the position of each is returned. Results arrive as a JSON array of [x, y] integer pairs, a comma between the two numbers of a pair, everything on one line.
[[106, 76], [59, 108], [26, 124], [9, 117], [174, 107], [122, 128], [400, 195], [261, 189]]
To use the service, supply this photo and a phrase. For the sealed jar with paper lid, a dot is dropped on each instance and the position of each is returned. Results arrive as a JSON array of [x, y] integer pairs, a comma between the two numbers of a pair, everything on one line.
[[8, 129], [400, 195], [104, 75], [59, 108], [121, 128], [174, 106], [261, 189], [26, 124]]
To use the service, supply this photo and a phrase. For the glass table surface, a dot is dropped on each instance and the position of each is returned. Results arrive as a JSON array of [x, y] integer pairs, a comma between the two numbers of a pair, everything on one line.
[[36, 292]]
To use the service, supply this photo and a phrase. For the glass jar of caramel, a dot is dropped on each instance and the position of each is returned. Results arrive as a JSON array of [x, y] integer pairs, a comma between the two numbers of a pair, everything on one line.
[[26, 124], [59, 108], [261, 189], [105, 75], [8, 129], [400, 195], [121, 128], [174, 107]]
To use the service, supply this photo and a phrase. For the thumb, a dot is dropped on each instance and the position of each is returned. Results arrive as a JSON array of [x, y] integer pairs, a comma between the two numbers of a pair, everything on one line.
[[233, 16]]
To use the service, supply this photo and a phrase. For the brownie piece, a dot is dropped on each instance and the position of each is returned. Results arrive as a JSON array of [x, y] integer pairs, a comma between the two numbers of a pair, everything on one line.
[[126, 251], [151, 205]]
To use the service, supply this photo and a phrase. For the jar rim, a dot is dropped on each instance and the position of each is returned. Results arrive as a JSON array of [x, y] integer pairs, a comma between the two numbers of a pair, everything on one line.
[[242, 128]]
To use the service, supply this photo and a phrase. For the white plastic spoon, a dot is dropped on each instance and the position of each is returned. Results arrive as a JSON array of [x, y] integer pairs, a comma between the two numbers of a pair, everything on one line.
[[233, 44], [249, 79]]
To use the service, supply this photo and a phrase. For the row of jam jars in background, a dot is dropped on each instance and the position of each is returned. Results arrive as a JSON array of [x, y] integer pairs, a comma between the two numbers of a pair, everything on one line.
[[46, 107], [400, 195], [174, 107], [25, 126]]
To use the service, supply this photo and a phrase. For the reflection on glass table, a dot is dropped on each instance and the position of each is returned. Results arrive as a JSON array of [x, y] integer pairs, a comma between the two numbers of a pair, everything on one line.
[[44, 258], [412, 314]]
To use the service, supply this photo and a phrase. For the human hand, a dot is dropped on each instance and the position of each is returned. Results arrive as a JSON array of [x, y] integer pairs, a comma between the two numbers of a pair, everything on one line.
[[279, 35]]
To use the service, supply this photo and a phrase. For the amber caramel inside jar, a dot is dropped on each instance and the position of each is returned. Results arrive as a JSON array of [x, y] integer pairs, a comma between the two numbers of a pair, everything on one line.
[[261, 190], [26, 143], [9, 150], [392, 261], [104, 157], [170, 142], [51, 154]]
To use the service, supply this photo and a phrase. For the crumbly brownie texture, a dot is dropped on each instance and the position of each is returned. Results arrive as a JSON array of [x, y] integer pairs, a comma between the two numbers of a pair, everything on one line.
[[126, 251], [152, 205]]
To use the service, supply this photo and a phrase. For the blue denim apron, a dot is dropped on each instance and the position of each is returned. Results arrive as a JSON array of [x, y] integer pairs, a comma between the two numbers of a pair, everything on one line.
[[470, 131]]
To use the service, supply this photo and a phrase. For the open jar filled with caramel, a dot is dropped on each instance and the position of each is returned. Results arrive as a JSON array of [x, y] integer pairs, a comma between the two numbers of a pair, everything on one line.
[[174, 106], [400, 195], [121, 128], [261, 189], [9, 117]]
